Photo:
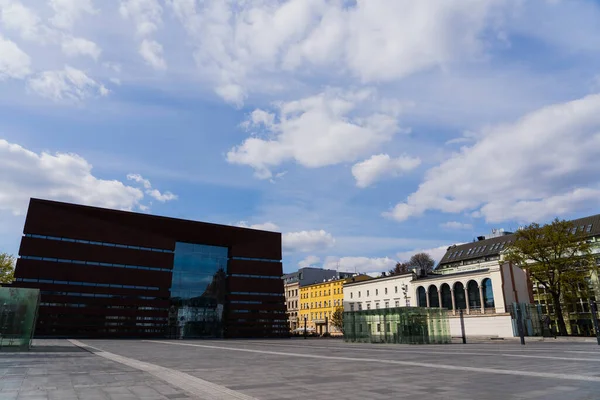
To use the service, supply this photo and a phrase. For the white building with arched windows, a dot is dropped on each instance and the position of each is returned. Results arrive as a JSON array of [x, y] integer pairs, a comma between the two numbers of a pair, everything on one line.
[[470, 277]]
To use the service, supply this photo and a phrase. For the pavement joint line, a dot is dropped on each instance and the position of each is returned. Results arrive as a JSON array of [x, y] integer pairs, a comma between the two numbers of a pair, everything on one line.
[[426, 352], [572, 377], [471, 346], [197, 387]]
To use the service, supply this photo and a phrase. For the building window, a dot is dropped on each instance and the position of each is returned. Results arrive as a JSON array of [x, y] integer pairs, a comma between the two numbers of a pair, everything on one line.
[[395, 289], [385, 290], [378, 327], [376, 292], [351, 294], [377, 305], [359, 294], [397, 303], [359, 306], [368, 306], [367, 293], [351, 307], [387, 304]]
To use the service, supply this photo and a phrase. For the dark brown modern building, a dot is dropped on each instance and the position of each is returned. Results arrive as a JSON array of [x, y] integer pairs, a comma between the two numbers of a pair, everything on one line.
[[108, 273]]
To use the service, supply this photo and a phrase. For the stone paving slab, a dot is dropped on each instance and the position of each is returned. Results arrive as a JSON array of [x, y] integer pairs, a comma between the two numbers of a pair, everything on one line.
[[300, 369], [58, 370]]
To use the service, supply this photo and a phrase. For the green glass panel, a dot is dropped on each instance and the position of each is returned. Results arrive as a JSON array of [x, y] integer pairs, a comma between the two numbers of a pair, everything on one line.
[[18, 314], [408, 325]]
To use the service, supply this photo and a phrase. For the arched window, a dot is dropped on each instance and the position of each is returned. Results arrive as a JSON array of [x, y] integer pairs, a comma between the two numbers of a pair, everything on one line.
[[446, 296], [459, 296], [421, 297], [488, 293], [434, 300], [474, 299]]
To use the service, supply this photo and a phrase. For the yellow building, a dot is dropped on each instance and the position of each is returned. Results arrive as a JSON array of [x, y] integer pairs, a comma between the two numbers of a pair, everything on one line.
[[319, 301]]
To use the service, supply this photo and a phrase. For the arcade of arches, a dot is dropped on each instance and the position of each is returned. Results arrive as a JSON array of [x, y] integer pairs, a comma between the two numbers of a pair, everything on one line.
[[475, 298]]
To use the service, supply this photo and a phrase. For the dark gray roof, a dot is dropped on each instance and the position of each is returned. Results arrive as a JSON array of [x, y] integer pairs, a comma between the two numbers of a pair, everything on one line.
[[493, 246]]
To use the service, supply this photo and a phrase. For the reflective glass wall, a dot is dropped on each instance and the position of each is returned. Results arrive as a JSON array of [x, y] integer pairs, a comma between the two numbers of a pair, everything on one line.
[[18, 313], [198, 291], [407, 325]]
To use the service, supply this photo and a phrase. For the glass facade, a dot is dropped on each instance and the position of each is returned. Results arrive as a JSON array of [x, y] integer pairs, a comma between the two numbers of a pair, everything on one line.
[[407, 325], [198, 290], [18, 314]]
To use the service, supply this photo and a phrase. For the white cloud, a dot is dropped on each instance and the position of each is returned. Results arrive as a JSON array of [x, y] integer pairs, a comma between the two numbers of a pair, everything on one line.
[[326, 129], [14, 63], [69, 84], [73, 46], [374, 40], [60, 176], [150, 191], [309, 261], [456, 225], [436, 253], [307, 241], [359, 264], [21, 19], [543, 165], [381, 166], [152, 52], [67, 12], [267, 226], [300, 242], [145, 14]]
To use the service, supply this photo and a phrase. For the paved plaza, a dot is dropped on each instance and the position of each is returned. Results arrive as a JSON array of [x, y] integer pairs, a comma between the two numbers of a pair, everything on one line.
[[299, 369]]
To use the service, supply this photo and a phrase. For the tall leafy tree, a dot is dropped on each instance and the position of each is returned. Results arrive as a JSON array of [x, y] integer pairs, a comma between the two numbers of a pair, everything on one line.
[[557, 256], [7, 268]]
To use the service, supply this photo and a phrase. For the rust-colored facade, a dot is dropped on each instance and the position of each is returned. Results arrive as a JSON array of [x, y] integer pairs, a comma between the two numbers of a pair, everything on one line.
[[108, 273]]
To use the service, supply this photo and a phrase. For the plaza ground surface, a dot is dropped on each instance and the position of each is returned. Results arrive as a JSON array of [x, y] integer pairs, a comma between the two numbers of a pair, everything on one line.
[[299, 369]]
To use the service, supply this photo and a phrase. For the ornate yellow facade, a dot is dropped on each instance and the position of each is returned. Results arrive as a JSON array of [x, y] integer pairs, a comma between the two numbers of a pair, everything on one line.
[[319, 301]]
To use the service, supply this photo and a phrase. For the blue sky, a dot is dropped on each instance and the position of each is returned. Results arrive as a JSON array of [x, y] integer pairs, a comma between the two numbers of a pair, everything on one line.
[[362, 130]]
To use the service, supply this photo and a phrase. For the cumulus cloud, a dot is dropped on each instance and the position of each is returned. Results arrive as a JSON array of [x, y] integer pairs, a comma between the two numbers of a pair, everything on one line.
[[68, 84], [152, 52], [18, 18], [436, 253], [374, 40], [67, 12], [60, 176], [456, 225], [541, 166], [332, 127], [381, 166], [267, 226], [14, 63], [296, 242], [150, 191], [307, 241], [309, 261], [359, 264], [147, 18], [73, 46]]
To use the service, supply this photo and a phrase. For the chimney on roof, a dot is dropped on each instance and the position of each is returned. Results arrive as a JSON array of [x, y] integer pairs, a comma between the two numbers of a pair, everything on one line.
[[480, 238]]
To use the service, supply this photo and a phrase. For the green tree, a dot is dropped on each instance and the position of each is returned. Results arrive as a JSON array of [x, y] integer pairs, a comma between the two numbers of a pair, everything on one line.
[[557, 256], [337, 319], [7, 268]]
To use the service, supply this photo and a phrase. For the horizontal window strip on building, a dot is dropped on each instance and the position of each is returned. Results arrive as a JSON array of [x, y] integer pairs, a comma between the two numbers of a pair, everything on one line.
[[255, 259], [94, 263], [90, 284], [99, 295], [106, 244], [257, 294], [255, 276]]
